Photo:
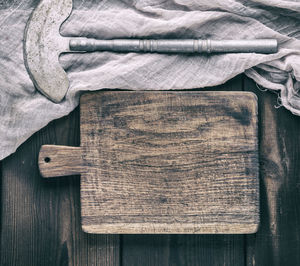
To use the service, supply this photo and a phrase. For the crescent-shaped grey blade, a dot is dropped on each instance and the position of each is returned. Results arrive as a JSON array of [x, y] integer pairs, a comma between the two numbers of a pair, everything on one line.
[[42, 46]]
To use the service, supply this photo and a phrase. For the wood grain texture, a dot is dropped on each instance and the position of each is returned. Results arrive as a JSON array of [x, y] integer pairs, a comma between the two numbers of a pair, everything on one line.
[[63, 161], [40, 218], [169, 162], [182, 250], [186, 250], [31, 236], [278, 239]]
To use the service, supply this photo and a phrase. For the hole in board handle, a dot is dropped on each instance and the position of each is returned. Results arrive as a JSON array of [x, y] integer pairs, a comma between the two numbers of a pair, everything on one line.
[[47, 159]]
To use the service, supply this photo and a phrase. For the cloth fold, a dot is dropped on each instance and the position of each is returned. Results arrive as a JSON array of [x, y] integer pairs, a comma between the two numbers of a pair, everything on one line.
[[24, 111]]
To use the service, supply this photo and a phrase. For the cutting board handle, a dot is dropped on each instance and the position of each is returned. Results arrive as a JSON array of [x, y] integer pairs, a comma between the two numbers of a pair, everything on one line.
[[60, 161]]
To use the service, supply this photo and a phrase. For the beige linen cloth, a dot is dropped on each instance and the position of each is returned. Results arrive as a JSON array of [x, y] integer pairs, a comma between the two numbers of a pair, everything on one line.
[[24, 111]]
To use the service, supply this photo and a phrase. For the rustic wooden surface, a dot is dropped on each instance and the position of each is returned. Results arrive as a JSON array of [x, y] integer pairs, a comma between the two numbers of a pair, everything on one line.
[[164, 162], [278, 240], [40, 218], [61, 160]]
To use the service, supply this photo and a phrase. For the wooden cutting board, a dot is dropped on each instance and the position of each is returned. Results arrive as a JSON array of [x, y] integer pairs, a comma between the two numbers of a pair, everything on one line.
[[164, 162]]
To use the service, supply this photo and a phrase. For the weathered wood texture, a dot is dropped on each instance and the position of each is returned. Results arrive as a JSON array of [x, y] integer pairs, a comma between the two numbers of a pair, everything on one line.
[[278, 239], [186, 249], [183, 250], [169, 162], [57, 161], [33, 230], [41, 218], [165, 162]]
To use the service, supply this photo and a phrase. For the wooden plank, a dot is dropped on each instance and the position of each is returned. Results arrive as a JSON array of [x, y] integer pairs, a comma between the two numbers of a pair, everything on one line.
[[41, 218], [277, 241], [153, 249], [182, 250], [186, 249], [169, 162]]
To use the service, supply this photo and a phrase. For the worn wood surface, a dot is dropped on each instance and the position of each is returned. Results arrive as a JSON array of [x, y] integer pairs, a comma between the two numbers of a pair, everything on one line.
[[186, 249], [164, 162], [278, 239], [61, 160], [40, 218]]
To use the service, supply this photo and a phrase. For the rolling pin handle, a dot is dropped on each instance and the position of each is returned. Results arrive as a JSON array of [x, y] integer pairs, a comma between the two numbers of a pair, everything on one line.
[[265, 46]]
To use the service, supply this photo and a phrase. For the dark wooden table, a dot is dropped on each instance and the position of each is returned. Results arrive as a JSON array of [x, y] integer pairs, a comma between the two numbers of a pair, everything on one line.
[[40, 219]]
